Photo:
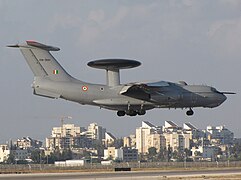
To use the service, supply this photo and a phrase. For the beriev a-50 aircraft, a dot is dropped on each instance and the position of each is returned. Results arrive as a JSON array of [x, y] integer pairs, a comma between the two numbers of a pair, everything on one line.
[[51, 80]]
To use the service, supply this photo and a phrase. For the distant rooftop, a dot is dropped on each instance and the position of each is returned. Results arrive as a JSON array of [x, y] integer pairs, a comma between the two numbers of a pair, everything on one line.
[[111, 135], [189, 126], [170, 124], [147, 124]]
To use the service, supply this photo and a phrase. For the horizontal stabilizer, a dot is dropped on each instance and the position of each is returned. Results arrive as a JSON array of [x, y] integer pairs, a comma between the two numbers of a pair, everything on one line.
[[42, 46], [31, 44]]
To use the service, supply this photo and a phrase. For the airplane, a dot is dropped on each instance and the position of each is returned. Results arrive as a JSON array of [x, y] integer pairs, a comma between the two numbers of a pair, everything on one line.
[[52, 81]]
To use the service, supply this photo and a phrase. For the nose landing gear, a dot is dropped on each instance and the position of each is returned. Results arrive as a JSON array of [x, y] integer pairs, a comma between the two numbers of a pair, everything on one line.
[[121, 113], [190, 112]]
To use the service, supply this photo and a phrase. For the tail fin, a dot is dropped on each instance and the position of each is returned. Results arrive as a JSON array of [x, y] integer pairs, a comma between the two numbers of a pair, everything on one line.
[[41, 62]]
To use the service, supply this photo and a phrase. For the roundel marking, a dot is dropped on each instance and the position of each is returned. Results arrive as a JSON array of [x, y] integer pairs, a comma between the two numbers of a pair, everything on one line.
[[85, 88]]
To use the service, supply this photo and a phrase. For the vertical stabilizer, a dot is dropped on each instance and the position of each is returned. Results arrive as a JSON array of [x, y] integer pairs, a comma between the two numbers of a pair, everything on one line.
[[41, 62]]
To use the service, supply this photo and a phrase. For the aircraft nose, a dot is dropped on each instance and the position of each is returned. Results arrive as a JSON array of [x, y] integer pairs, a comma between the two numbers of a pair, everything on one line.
[[222, 98]]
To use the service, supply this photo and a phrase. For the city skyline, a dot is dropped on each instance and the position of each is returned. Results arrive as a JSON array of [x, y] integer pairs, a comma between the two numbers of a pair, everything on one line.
[[133, 132], [169, 140], [194, 41]]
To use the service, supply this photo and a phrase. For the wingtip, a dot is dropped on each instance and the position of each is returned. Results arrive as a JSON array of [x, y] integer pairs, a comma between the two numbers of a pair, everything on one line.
[[13, 46], [229, 93]]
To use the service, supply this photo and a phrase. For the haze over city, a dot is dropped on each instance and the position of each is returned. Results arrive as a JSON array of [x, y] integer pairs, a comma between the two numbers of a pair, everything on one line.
[[195, 41]]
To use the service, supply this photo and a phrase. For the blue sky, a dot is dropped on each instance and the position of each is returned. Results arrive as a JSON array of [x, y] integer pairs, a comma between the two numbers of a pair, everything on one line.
[[195, 41]]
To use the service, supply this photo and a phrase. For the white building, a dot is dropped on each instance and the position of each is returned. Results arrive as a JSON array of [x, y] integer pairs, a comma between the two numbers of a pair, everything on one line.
[[141, 139], [170, 126], [4, 152], [27, 143], [156, 129], [121, 154], [95, 132], [142, 134], [113, 153], [156, 140], [221, 133], [177, 141], [147, 124], [64, 137], [129, 141], [109, 139], [189, 126], [66, 130], [18, 154], [79, 162], [191, 129]]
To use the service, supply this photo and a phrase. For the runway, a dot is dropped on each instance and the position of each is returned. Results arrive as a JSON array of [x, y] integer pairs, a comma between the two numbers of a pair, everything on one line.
[[138, 175]]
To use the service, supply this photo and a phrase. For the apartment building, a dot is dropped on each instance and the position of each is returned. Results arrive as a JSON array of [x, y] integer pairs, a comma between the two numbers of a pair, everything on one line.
[[4, 152], [66, 136], [109, 139], [28, 143], [95, 132], [142, 140], [220, 134], [121, 154]]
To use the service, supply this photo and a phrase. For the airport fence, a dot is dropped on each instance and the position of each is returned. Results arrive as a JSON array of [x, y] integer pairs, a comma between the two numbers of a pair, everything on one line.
[[27, 168]]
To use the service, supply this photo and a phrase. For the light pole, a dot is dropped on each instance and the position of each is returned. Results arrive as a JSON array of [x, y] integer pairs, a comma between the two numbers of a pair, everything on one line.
[[40, 160], [228, 155], [91, 160], [185, 160]]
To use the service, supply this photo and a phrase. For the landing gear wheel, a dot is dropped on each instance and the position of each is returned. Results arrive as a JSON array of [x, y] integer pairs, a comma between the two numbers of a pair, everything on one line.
[[134, 113], [141, 112], [121, 113], [190, 112], [131, 112]]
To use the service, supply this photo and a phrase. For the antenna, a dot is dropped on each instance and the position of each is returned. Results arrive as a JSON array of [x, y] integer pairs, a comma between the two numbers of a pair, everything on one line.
[[62, 123], [112, 67]]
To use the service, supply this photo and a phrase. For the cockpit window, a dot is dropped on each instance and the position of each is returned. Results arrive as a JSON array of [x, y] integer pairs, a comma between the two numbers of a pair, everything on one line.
[[215, 90]]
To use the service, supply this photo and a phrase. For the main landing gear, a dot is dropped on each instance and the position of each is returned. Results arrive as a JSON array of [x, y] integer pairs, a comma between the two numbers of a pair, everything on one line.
[[141, 112], [190, 112], [131, 112]]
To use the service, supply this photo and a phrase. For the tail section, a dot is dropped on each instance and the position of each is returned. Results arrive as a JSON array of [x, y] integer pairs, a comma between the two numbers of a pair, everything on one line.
[[41, 62]]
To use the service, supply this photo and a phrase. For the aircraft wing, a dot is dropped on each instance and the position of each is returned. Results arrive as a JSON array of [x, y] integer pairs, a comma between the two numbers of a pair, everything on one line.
[[145, 91]]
